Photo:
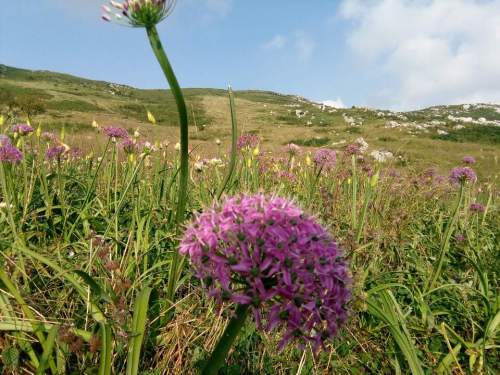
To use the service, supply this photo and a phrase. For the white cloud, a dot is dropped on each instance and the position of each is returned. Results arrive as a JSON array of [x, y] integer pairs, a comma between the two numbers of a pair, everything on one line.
[[276, 42], [337, 103], [431, 51], [304, 45]]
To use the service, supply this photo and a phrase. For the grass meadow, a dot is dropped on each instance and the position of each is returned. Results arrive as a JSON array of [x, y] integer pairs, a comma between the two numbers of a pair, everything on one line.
[[87, 240]]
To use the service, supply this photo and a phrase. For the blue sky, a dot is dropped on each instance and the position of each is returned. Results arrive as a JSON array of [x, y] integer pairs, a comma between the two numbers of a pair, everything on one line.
[[385, 53]]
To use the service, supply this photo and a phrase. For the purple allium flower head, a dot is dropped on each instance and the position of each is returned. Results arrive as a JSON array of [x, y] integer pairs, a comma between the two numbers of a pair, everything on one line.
[[292, 149], [48, 136], [4, 140], [477, 208], [55, 152], [265, 252], [248, 141], [462, 175], [22, 129], [129, 146], [469, 160], [352, 149], [138, 13], [8, 152], [116, 132], [325, 158]]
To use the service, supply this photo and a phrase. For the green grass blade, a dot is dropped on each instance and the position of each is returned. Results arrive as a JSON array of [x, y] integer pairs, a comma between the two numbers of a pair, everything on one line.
[[139, 322]]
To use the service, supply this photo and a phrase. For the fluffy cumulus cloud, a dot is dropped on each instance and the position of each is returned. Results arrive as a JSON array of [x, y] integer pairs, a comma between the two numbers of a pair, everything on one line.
[[429, 51]]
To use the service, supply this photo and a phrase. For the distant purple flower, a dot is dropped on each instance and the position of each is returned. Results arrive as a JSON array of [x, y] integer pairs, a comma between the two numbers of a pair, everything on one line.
[[468, 160], [460, 237], [129, 146], [288, 176], [352, 149], [4, 140], [265, 252], [48, 136], [8, 152], [325, 158], [462, 175], [477, 208], [22, 129], [248, 141], [55, 152], [292, 149], [116, 132]]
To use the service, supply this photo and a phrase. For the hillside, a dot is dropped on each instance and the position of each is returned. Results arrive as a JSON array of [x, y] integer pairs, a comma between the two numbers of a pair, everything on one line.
[[436, 136]]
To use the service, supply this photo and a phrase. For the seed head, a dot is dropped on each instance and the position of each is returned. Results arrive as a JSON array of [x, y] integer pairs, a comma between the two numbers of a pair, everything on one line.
[[138, 13]]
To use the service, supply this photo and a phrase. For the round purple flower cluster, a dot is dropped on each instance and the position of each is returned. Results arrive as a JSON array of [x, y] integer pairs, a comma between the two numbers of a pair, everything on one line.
[[461, 175], [352, 149], [129, 146], [325, 158], [8, 152], [22, 129], [469, 160], [265, 252], [55, 152], [477, 208], [48, 136], [292, 149], [116, 132], [248, 141]]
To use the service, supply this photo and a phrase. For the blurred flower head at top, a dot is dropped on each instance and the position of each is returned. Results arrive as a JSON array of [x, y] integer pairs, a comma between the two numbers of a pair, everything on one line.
[[138, 13]]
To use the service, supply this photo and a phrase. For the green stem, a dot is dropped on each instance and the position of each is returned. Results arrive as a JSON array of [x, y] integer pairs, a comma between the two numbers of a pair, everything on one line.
[[161, 56], [354, 192], [234, 140], [446, 241], [219, 354]]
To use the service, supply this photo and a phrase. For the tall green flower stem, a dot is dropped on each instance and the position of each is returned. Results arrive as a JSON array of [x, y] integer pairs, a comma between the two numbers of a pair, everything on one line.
[[354, 192], [161, 56], [445, 242], [219, 354], [234, 140], [368, 196]]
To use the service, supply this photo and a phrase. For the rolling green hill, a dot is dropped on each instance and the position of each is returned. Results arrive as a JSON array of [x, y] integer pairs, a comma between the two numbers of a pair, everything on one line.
[[437, 136]]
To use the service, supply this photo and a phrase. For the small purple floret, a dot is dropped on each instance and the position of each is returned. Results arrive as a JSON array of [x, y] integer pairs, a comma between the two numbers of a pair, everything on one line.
[[469, 160], [460, 175], [55, 152], [248, 141], [265, 252], [325, 158], [22, 129], [116, 132], [8, 152], [477, 208]]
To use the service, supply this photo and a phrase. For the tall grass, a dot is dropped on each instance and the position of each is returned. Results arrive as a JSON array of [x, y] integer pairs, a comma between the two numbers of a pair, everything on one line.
[[87, 245]]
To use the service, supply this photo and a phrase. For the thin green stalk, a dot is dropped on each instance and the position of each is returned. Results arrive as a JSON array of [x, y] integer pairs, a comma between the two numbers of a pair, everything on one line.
[[354, 191], [234, 140], [162, 58], [446, 241], [219, 354]]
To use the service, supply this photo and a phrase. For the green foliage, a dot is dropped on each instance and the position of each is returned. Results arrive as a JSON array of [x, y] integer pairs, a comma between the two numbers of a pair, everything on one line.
[[312, 142], [486, 134]]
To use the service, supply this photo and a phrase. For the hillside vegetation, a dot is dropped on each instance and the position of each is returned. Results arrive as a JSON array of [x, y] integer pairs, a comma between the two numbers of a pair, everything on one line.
[[434, 136]]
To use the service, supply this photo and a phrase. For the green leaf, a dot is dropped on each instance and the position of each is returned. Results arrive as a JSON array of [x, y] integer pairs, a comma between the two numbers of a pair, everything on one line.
[[139, 322]]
